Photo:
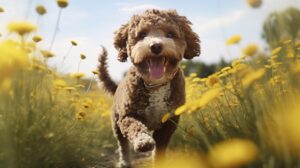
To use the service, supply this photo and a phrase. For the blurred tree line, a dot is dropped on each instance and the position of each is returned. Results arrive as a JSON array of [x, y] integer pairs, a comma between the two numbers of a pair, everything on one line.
[[203, 70], [282, 26], [277, 28]]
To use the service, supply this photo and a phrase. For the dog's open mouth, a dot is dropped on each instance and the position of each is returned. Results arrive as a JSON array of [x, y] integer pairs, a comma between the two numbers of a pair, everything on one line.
[[157, 66]]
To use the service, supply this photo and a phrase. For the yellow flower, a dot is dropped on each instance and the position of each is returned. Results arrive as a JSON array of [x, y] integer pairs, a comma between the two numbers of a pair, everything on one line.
[[41, 10], [231, 71], [47, 54], [12, 59], [37, 39], [225, 69], [268, 66], [95, 72], [233, 40], [180, 160], [243, 57], [221, 75], [77, 95], [166, 117], [59, 83], [182, 109], [206, 98], [21, 28], [236, 62], [212, 80], [196, 80], [275, 80], [285, 129], [82, 56], [287, 41], [81, 115], [193, 75], [38, 66], [77, 75], [62, 3], [242, 69], [80, 86], [2, 9], [275, 64], [251, 50], [276, 51], [233, 153], [86, 105], [70, 89], [274, 57], [74, 43], [254, 3], [290, 52], [252, 77]]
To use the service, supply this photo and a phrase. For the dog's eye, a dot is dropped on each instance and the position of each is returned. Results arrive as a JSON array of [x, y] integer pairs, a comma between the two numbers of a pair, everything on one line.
[[170, 35], [142, 35]]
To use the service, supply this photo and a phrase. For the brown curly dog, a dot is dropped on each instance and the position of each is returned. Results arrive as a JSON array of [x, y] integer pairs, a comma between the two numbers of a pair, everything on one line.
[[155, 41]]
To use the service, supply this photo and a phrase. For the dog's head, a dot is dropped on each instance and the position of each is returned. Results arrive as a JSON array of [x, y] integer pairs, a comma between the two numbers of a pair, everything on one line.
[[156, 41]]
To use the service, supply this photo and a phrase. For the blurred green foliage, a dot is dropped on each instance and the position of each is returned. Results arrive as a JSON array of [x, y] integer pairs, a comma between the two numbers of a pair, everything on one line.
[[281, 26], [202, 69]]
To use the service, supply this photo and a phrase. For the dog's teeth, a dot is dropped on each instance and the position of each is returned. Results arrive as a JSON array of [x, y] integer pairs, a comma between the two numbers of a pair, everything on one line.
[[166, 61], [148, 62]]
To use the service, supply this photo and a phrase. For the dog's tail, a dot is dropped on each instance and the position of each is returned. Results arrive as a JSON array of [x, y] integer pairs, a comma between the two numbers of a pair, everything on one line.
[[108, 84]]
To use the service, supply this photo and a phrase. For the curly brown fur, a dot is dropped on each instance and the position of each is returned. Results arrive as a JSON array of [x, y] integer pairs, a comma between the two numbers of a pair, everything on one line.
[[109, 85], [156, 41], [123, 42]]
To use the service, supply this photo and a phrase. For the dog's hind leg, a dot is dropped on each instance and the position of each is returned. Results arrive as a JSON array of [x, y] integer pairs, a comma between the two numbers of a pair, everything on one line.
[[124, 148], [162, 137]]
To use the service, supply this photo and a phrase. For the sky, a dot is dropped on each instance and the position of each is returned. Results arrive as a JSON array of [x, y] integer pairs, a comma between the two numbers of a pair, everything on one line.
[[92, 23]]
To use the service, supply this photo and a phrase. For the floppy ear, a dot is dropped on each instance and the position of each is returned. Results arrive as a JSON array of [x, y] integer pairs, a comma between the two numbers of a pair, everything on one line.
[[120, 42], [192, 38], [193, 43]]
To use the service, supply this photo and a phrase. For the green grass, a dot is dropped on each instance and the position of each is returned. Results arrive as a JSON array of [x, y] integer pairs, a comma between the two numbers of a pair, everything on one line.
[[39, 127]]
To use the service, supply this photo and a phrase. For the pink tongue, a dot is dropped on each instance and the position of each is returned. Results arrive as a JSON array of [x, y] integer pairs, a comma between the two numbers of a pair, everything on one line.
[[156, 68]]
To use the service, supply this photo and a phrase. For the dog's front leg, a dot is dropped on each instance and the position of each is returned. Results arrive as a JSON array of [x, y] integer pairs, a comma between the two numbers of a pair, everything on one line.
[[137, 134]]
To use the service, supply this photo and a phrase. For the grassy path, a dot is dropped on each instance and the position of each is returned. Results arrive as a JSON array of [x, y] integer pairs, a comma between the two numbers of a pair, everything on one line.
[[139, 160]]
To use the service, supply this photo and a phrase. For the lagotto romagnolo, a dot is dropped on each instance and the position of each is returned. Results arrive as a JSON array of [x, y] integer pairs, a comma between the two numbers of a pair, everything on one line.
[[155, 41]]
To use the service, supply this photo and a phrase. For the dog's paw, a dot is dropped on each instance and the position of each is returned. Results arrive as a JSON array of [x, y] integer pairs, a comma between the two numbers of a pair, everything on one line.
[[124, 164], [143, 143]]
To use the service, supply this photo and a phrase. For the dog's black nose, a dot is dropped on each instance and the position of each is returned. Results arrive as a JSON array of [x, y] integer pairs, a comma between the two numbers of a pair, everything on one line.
[[156, 48]]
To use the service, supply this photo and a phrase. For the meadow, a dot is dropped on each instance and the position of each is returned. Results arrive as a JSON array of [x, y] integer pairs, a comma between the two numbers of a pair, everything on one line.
[[244, 115]]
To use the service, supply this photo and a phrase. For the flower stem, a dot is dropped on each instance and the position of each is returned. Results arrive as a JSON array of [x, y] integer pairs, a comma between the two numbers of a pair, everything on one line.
[[66, 55], [222, 27], [92, 80], [56, 29], [23, 42], [183, 130]]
